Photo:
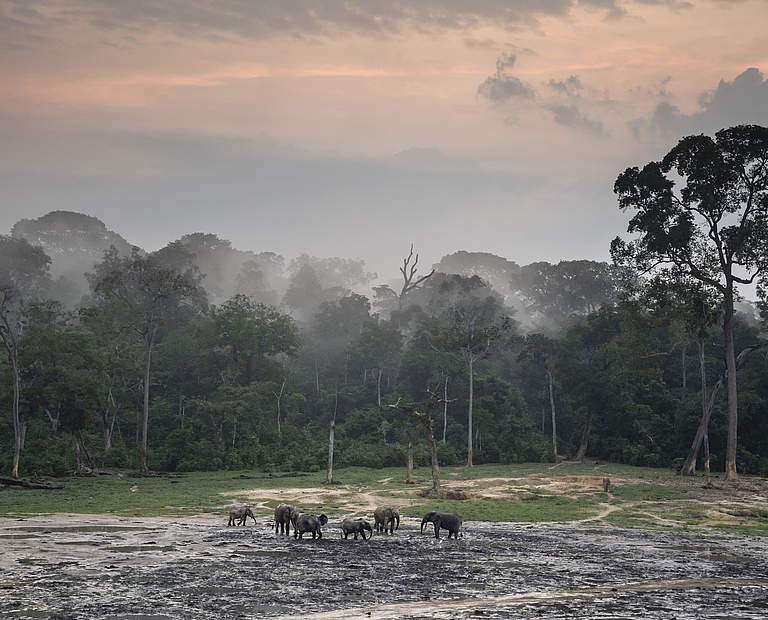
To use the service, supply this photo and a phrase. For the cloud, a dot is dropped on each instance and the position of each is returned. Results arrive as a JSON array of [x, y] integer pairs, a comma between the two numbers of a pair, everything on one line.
[[501, 86], [744, 100], [570, 86], [571, 116], [259, 19], [613, 8], [487, 44]]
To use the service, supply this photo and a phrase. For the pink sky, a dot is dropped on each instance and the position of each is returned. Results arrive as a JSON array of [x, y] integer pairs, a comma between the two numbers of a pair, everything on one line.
[[367, 83]]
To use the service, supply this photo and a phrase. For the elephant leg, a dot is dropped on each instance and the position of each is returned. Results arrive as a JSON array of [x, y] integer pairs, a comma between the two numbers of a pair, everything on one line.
[[355, 535], [437, 529], [319, 534]]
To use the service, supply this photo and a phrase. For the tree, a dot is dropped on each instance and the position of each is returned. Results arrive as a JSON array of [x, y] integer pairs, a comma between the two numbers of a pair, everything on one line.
[[423, 413], [409, 271], [714, 230], [148, 298], [253, 333], [538, 352], [379, 346], [559, 293], [23, 279], [472, 323]]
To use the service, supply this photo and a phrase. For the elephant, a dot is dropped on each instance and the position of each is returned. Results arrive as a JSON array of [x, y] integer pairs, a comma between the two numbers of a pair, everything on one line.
[[606, 485], [240, 515], [283, 518], [355, 526], [445, 520], [309, 523], [386, 517]]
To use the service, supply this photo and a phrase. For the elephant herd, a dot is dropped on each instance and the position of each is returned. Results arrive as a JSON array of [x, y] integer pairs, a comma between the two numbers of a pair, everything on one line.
[[286, 517]]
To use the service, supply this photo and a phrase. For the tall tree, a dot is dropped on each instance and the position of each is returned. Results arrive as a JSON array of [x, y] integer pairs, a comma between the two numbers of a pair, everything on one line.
[[423, 412], [23, 279], [148, 298], [714, 229]]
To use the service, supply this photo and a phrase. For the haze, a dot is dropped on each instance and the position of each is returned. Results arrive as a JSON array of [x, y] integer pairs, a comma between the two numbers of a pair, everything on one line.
[[354, 128]]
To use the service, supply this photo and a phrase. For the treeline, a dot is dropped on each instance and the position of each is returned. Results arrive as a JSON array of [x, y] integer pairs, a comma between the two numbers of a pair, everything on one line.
[[576, 359]]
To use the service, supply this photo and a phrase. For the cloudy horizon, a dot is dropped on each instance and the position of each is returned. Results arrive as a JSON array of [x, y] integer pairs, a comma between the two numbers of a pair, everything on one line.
[[356, 128]]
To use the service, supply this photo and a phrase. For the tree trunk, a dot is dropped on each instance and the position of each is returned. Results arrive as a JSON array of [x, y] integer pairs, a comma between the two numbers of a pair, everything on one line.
[[433, 455], [317, 380], [689, 467], [552, 407], [78, 460], [54, 421], [329, 473], [582, 451], [445, 406], [684, 368], [17, 430], [471, 363], [378, 389], [145, 420], [703, 377], [279, 397], [409, 465], [730, 363]]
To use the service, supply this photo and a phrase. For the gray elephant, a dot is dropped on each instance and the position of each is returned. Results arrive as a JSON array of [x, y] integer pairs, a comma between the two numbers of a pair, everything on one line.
[[445, 520], [386, 517], [240, 515], [309, 523], [283, 518], [356, 526]]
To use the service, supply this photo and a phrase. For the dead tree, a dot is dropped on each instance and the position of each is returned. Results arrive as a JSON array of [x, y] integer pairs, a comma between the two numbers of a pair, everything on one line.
[[423, 413], [409, 273], [329, 473], [689, 466]]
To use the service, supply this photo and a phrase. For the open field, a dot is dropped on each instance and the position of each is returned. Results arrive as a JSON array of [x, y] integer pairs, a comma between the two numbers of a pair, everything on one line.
[[538, 540], [526, 493]]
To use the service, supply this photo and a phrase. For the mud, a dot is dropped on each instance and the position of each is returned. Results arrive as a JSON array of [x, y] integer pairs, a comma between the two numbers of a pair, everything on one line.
[[92, 567]]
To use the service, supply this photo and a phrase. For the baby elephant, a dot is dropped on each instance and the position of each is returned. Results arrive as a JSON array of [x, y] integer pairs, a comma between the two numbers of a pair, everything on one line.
[[283, 518], [355, 526], [309, 523], [384, 518], [240, 515], [445, 520]]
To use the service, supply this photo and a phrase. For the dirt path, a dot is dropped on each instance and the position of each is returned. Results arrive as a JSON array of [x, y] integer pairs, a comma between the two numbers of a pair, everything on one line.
[[449, 609]]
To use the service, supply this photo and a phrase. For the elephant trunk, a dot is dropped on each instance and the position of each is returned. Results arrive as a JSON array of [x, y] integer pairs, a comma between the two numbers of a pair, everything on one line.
[[397, 521]]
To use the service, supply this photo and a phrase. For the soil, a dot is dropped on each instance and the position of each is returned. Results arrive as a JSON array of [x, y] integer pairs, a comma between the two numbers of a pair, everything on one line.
[[68, 566]]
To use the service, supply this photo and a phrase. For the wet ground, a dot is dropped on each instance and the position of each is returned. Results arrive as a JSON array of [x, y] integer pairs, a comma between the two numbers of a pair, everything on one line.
[[91, 567]]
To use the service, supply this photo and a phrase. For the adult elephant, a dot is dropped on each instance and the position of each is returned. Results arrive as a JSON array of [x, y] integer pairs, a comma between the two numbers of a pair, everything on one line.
[[355, 526], [443, 520], [309, 523], [386, 517], [283, 514], [239, 516]]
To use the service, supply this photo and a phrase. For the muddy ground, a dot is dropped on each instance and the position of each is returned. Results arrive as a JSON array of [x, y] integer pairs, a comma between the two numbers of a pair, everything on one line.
[[103, 567]]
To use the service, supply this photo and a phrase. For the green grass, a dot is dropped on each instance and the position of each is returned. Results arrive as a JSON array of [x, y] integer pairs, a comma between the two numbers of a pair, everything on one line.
[[538, 509], [646, 500]]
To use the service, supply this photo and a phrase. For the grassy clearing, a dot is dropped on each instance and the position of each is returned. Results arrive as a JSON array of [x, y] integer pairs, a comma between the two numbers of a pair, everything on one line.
[[529, 510], [536, 492]]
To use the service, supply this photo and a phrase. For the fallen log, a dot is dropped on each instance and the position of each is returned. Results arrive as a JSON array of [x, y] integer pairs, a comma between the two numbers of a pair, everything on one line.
[[29, 484]]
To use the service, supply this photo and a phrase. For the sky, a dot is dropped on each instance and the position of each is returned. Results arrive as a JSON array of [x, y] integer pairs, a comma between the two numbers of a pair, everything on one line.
[[356, 127]]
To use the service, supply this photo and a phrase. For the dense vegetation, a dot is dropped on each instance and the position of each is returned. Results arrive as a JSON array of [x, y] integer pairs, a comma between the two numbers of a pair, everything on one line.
[[202, 357]]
